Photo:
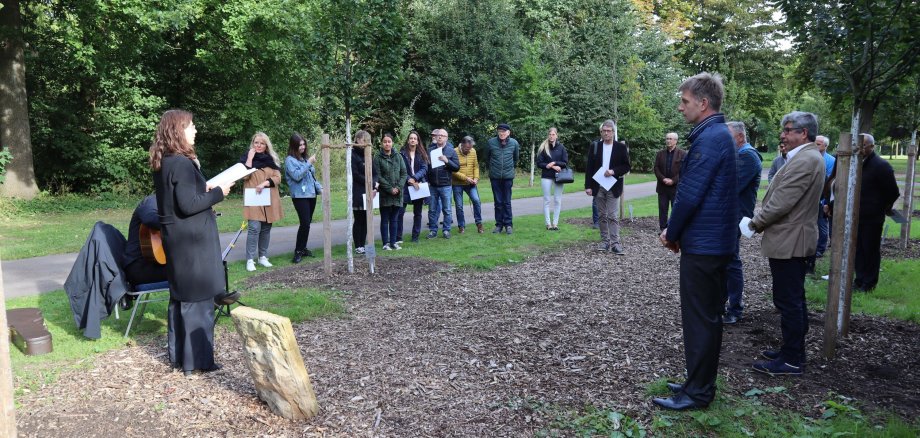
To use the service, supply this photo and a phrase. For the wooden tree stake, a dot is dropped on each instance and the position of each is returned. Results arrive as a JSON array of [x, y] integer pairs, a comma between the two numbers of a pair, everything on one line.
[[909, 191], [327, 209]]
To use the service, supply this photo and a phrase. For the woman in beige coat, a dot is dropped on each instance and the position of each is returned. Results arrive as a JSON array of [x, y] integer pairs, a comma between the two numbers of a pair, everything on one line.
[[262, 157]]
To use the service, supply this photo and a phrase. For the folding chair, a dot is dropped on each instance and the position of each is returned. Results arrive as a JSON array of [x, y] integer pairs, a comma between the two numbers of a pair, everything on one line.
[[142, 295]]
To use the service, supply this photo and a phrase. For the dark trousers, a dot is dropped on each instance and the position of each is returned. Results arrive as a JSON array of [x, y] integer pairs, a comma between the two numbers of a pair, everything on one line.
[[359, 229], [417, 207], [501, 191], [388, 227], [595, 216], [789, 299], [735, 284], [868, 254], [702, 295], [141, 271], [665, 201], [823, 230], [305, 208], [190, 334]]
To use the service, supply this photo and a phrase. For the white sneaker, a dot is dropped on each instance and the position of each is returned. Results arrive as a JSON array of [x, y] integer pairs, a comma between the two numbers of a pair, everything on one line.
[[264, 262], [250, 265], [399, 242], [396, 246], [359, 250], [387, 247]]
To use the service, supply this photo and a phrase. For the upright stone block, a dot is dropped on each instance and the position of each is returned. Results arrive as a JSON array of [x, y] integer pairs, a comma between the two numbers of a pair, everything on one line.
[[275, 363]]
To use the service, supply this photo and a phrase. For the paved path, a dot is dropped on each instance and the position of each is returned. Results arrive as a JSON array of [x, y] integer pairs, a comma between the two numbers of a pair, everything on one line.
[[38, 275]]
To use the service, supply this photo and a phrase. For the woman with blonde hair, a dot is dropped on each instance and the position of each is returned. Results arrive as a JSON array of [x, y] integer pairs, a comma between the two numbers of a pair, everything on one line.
[[262, 157], [551, 158], [192, 244]]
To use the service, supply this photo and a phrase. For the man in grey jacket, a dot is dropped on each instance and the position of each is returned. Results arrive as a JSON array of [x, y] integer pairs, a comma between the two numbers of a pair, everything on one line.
[[502, 154]]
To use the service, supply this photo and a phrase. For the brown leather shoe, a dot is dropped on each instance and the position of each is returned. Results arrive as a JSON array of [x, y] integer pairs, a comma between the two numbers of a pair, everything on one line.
[[479, 228], [461, 229]]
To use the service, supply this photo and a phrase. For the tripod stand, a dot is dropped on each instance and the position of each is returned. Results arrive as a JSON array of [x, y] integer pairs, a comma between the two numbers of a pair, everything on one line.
[[225, 300]]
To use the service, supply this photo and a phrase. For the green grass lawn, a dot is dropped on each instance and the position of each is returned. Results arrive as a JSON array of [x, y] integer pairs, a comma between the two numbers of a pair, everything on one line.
[[60, 224]]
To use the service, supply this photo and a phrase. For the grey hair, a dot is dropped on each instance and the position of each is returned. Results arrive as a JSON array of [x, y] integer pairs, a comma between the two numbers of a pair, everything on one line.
[[706, 86], [800, 120], [609, 123], [827, 141], [738, 128], [468, 139], [868, 138], [670, 133]]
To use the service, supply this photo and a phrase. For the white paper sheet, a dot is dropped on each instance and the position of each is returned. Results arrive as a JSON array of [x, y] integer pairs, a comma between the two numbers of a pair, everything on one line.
[[433, 155], [605, 181], [422, 192], [233, 173], [253, 199], [745, 228], [376, 201]]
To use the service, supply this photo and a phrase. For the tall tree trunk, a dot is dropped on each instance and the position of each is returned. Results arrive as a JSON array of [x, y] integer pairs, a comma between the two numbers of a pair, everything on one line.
[[15, 135], [866, 114]]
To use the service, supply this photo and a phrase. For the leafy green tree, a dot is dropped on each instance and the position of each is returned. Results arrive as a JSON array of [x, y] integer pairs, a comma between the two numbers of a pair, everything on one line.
[[463, 54], [15, 141], [857, 51], [533, 106]]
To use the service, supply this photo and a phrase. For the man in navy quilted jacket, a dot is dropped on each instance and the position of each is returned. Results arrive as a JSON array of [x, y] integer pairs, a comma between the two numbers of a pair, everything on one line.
[[704, 226]]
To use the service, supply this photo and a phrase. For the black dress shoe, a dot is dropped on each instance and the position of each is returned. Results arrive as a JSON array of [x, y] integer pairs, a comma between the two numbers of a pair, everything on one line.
[[216, 367], [679, 402], [675, 387], [298, 256], [307, 253]]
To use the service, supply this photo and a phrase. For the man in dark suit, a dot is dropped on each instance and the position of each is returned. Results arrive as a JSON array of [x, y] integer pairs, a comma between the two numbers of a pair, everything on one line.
[[877, 194], [704, 226], [614, 158], [789, 223], [667, 172]]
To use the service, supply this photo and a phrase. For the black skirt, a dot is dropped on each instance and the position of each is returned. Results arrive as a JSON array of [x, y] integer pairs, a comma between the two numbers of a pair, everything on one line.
[[191, 334]]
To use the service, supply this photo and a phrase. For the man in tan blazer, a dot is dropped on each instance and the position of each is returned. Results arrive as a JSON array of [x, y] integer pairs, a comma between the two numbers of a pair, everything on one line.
[[788, 221]]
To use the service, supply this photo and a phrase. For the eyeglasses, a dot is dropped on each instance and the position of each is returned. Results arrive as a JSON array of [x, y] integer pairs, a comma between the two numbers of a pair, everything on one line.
[[788, 130], [606, 130], [438, 135]]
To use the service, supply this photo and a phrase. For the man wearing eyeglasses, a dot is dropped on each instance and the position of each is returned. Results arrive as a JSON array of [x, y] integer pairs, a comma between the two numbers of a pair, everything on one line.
[[613, 157], [789, 223], [439, 182]]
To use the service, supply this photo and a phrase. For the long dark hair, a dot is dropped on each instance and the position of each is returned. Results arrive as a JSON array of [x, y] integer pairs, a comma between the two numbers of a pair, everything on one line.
[[419, 147], [294, 147], [170, 138]]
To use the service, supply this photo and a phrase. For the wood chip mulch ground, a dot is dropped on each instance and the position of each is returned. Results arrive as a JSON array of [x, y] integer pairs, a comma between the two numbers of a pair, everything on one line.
[[429, 350]]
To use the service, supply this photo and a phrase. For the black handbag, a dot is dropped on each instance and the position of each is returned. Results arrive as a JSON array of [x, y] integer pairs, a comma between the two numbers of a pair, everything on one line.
[[565, 176]]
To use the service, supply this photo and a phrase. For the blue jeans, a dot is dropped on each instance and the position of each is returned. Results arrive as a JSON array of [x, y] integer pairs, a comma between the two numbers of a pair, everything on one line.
[[734, 277], [822, 232], [388, 227], [501, 191], [440, 203], [473, 193]]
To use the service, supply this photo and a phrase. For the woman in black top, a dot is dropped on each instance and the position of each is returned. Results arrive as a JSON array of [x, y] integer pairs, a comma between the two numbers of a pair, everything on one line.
[[190, 240], [551, 159]]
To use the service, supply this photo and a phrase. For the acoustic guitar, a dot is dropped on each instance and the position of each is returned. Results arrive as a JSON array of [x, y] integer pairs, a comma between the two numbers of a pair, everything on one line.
[[152, 245]]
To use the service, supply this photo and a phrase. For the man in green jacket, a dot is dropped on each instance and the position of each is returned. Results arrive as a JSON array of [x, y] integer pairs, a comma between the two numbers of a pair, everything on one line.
[[502, 154]]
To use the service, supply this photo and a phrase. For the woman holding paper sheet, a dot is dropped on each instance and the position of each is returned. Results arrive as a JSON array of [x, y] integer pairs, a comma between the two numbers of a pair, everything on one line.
[[416, 161], [262, 157], [191, 241]]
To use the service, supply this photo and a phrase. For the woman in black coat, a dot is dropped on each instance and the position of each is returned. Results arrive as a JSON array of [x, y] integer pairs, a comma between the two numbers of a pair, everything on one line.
[[190, 240]]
